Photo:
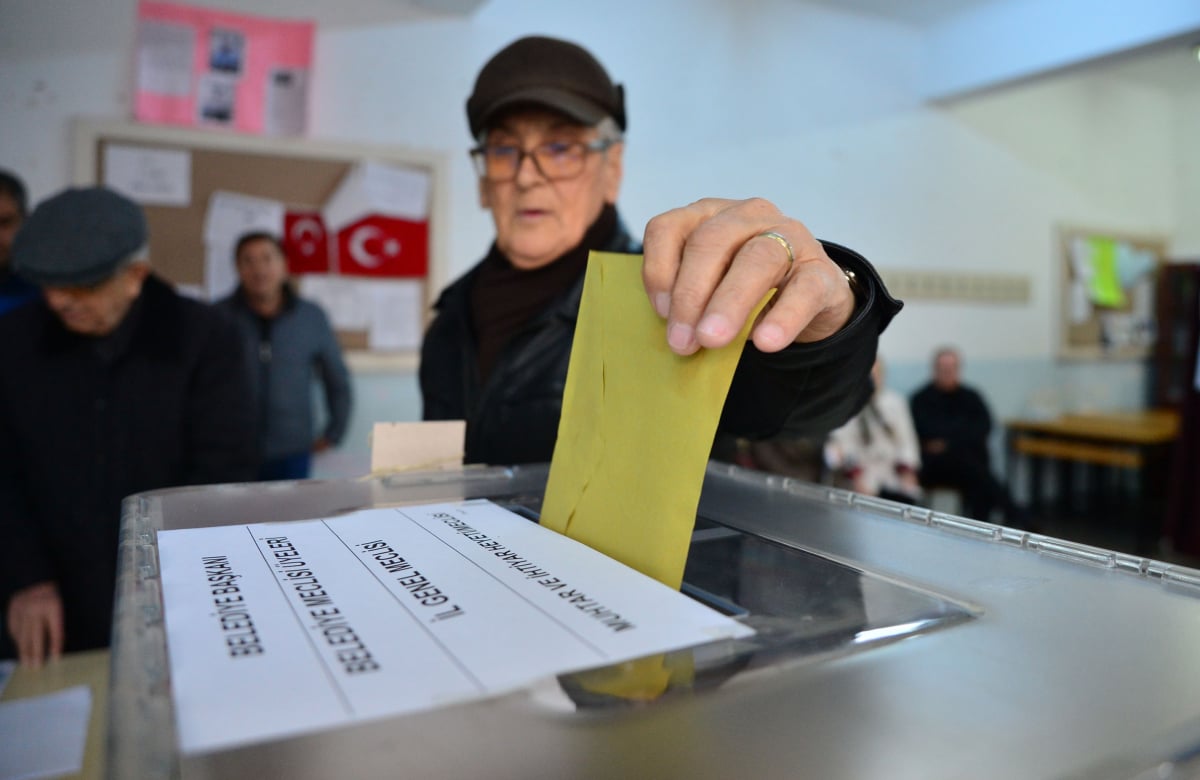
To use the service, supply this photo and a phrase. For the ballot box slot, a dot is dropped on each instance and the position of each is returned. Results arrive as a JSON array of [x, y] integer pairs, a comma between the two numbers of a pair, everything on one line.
[[712, 600], [800, 602], [805, 609]]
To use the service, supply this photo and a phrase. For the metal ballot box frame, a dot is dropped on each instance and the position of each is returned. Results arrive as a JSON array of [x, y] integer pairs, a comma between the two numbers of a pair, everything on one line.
[[893, 641]]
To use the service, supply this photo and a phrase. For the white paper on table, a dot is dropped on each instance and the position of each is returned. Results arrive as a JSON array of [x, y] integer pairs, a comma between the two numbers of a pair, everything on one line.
[[344, 300], [314, 624], [378, 188], [409, 446], [44, 736], [158, 177], [396, 313], [164, 59], [287, 101]]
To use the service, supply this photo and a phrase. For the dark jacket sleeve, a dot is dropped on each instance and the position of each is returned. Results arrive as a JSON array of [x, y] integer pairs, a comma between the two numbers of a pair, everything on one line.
[[924, 419], [23, 561], [221, 429], [335, 379], [981, 418], [810, 389]]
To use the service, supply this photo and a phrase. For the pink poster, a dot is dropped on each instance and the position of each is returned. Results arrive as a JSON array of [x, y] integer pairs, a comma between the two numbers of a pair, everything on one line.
[[199, 66]]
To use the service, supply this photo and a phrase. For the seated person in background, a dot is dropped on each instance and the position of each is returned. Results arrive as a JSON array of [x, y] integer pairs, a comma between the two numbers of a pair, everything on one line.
[[878, 450], [549, 127], [14, 290], [112, 385], [953, 424], [288, 344]]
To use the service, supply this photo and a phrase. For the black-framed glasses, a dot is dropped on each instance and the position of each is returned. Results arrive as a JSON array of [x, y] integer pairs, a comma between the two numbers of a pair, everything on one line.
[[553, 159]]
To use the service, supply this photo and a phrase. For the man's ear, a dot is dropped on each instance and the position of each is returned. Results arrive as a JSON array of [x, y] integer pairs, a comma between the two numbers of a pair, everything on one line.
[[614, 168], [485, 196], [137, 273]]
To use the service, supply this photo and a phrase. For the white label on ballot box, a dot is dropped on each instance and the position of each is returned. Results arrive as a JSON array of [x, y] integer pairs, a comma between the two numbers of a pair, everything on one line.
[[277, 629]]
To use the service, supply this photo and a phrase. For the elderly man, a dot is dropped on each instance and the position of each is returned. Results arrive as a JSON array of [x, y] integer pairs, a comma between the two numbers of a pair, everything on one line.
[[112, 385], [953, 424], [14, 290], [549, 124]]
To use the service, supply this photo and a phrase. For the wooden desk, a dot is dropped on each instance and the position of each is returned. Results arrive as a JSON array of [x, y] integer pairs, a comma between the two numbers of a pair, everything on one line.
[[86, 668], [1140, 441]]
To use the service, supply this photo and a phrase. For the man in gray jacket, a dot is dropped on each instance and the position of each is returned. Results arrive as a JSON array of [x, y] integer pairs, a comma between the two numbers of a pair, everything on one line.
[[289, 344]]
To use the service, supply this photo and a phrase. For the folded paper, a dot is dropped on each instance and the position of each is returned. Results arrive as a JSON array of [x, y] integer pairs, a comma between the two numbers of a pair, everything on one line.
[[637, 426]]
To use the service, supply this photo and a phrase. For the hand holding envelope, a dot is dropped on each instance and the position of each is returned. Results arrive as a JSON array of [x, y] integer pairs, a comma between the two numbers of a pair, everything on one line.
[[708, 266], [643, 399], [637, 425]]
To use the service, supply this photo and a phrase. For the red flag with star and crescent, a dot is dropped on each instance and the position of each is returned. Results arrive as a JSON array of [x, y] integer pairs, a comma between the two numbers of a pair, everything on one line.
[[306, 242], [378, 245]]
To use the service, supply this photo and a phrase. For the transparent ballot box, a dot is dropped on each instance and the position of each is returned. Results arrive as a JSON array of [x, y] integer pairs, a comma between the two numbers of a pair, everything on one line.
[[889, 641]]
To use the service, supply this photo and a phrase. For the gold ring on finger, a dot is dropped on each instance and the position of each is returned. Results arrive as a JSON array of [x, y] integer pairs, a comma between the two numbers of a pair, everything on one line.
[[783, 242]]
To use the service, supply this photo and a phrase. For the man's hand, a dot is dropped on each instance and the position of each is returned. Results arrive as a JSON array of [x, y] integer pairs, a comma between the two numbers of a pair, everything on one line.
[[35, 621], [707, 265]]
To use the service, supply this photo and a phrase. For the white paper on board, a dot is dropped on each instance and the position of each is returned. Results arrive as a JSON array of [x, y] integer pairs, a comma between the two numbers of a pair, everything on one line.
[[231, 215], [378, 188], [154, 177], [164, 58], [344, 299], [396, 313], [287, 101]]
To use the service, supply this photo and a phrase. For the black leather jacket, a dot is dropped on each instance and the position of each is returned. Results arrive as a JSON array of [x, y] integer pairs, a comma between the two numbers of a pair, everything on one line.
[[513, 418]]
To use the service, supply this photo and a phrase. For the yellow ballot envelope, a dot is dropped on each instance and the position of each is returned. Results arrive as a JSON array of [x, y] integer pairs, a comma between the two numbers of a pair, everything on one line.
[[637, 426]]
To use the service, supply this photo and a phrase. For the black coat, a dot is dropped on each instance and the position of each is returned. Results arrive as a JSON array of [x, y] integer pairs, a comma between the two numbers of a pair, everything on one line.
[[959, 417], [513, 418], [168, 405]]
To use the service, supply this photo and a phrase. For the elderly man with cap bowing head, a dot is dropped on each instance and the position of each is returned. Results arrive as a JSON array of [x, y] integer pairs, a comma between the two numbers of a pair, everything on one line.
[[112, 385], [549, 127]]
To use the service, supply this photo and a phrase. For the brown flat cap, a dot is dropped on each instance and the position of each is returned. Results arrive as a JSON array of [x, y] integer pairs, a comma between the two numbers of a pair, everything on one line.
[[548, 73]]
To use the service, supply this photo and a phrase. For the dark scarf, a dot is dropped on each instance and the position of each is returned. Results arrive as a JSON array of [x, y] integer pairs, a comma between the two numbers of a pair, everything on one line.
[[505, 298]]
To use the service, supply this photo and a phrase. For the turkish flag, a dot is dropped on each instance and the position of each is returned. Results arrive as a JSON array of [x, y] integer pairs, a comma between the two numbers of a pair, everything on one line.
[[383, 246], [306, 242]]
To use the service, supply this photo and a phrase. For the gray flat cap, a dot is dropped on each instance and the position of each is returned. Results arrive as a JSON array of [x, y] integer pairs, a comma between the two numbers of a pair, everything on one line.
[[78, 237]]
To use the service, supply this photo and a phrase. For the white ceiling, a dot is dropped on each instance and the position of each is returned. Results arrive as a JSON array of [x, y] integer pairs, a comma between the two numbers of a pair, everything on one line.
[[915, 12], [1169, 66]]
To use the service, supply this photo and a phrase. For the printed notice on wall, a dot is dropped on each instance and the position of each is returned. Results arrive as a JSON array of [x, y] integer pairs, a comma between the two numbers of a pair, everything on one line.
[[154, 177], [212, 67], [314, 624]]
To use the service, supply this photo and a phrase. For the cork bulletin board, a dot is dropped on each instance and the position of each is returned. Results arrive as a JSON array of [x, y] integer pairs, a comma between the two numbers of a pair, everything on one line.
[[300, 173], [1106, 307]]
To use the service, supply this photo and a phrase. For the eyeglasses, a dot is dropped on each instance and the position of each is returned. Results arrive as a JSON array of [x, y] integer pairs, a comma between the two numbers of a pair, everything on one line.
[[553, 159]]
